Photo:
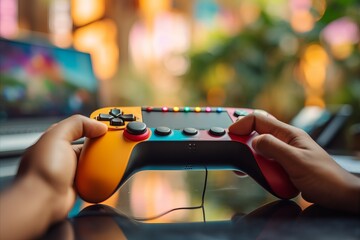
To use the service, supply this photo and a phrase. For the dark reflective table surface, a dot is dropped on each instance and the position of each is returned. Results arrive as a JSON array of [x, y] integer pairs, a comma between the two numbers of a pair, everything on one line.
[[201, 205]]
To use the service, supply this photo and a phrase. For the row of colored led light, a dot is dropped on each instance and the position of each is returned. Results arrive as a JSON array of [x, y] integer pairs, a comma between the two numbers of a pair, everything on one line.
[[183, 109]]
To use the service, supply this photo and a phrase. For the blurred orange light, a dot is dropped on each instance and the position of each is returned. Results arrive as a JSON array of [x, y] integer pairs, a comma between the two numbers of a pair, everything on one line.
[[302, 21], [99, 39], [315, 54], [314, 67], [150, 9], [341, 51], [315, 101], [86, 11]]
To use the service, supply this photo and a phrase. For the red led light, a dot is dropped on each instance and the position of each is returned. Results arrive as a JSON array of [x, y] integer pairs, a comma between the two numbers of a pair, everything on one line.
[[165, 109], [208, 109], [149, 109]]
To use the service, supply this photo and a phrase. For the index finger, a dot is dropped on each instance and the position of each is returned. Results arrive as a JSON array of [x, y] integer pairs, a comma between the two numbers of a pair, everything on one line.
[[75, 127], [263, 124]]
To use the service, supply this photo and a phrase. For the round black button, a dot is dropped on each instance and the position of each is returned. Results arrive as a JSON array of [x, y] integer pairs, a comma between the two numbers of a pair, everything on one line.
[[136, 128], [217, 131], [190, 131], [238, 113], [162, 131]]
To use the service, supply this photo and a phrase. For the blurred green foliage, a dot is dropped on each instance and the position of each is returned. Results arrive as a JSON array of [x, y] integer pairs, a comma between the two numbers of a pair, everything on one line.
[[253, 69]]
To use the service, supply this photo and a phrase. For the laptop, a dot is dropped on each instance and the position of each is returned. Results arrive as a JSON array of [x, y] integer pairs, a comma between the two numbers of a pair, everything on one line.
[[40, 85]]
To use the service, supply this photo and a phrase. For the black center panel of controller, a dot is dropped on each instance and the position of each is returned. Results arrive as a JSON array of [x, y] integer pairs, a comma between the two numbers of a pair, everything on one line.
[[193, 155]]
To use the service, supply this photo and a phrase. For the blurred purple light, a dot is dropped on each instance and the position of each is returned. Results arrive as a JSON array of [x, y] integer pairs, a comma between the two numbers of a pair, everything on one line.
[[341, 31]]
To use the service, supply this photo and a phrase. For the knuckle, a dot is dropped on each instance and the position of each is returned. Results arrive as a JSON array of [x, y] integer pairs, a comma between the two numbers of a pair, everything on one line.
[[298, 131]]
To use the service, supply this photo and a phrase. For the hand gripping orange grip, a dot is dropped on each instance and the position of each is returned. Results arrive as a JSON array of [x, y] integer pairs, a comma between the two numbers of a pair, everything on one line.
[[103, 160]]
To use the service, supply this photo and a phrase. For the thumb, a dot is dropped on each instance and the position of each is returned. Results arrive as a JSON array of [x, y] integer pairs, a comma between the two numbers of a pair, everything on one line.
[[271, 147], [76, 127]]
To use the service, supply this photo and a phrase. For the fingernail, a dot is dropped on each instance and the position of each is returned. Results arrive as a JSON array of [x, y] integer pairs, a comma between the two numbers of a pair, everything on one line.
[[262, 112]]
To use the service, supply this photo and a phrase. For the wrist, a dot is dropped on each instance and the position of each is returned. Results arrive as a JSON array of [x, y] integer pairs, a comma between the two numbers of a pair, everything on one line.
[[345, 195], [27, 203], [352, 196], [36, 189], [53, 199]]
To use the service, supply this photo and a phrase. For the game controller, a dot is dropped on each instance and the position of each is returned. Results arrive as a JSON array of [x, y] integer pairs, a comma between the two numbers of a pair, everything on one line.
[[177, 138]]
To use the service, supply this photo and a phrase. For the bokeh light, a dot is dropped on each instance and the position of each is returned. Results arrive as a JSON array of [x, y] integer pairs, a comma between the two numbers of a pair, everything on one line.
[[341, 36], [85, 11], [8, 18], [314, 67]]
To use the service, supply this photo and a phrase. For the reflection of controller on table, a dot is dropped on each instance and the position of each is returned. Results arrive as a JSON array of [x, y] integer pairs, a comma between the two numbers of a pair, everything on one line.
[[272, 219], [184, 138]]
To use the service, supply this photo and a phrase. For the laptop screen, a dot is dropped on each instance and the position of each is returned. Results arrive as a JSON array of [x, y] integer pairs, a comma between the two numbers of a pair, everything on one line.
[[45, 81]]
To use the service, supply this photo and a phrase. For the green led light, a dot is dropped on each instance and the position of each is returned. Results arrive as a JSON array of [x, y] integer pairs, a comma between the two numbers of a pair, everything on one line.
[[186, 109]]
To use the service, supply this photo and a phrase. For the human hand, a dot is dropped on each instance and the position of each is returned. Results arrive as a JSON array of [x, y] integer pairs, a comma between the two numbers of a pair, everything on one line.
[[42, 192], [53, 159], [318, 177]]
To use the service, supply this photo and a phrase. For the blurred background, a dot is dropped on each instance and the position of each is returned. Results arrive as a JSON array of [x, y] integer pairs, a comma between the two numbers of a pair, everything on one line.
[[280, 55]]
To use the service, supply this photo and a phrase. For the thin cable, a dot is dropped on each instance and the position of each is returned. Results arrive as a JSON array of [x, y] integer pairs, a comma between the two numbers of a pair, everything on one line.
[[183, 208], [203, 194]]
